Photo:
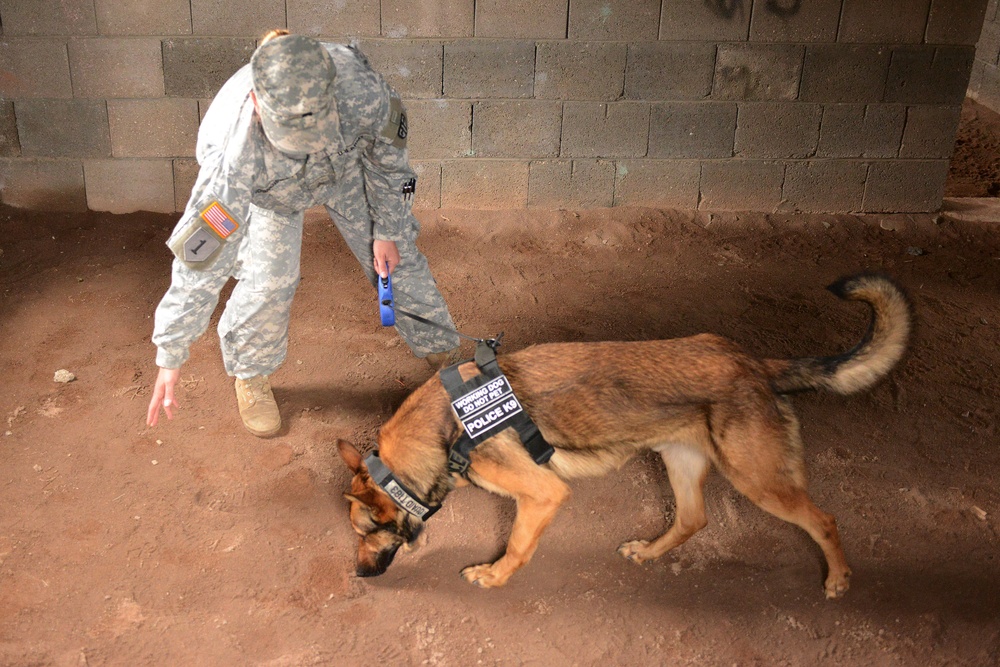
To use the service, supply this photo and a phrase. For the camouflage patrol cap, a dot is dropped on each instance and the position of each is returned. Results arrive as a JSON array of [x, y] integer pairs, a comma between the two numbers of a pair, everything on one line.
[[293, 80]]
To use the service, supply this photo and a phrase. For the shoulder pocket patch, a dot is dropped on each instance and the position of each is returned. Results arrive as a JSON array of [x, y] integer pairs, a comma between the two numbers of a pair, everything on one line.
[[396, 130], [199, 242]]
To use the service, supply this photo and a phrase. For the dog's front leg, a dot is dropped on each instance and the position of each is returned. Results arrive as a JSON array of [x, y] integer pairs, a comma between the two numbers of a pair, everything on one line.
[[539, 493]]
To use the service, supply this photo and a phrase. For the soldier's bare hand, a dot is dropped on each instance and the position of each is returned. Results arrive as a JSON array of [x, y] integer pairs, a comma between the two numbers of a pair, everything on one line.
[[386, 255], [163, 395]]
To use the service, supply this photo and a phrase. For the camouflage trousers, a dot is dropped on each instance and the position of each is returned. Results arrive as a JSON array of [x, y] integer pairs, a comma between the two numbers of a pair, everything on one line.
[[253, 330]]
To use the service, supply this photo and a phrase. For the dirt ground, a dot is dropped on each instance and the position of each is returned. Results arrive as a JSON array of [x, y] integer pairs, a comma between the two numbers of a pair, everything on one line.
[[195, 543]]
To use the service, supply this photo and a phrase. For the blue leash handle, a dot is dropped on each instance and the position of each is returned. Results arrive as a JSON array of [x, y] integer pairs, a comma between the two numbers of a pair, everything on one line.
[[386, 306]]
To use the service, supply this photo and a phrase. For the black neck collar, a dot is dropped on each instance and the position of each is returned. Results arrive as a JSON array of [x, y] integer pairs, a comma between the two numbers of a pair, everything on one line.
[[402, 495]]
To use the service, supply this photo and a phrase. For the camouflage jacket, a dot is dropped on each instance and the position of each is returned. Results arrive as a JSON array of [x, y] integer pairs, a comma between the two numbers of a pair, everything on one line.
[[239, 166]]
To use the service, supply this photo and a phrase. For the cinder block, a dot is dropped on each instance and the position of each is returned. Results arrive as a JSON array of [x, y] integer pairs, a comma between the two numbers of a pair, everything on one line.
[[988, 47], [185, 176], [659, 183], [322, 18], [669, 70], [988, 89], [199, 67], [238, 19], [489, 69], [203, 106], [858, 130], [701, 21], [428, 18], [976, 80], [34, 69], [871, 22], [622, 20], [618, 129], [516, 128], [844, 73], [484, 184], [9, 145], [63, 128], [905, 186], [119, 67], [143, 17], [428, 194], [415, 69], [571, 184], [692, 129], [824, 186], [929, 75], [955, 21], [508, 19], [814, 21], [439, 128], [740, 185], [48, 17], [162, 127], [127, 186], [570, 70], [43, 185], [930, 132], [758, 72], [777, 130]]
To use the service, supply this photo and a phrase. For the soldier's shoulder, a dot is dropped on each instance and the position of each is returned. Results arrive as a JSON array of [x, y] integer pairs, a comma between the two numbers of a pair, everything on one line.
[[350, 61], [362, 93]]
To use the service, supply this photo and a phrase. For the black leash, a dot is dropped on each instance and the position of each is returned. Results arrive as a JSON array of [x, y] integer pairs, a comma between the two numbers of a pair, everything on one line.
[[494, 343]]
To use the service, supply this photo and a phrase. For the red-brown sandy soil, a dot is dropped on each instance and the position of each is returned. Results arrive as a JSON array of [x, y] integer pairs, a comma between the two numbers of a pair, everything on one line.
[[194, 543]]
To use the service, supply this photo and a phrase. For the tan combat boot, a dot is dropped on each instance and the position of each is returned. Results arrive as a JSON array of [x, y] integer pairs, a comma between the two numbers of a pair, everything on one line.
[[439, 360], [258, 408]]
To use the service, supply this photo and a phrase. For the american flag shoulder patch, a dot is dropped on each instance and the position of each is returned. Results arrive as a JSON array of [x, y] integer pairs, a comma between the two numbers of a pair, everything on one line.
[[219, 220]]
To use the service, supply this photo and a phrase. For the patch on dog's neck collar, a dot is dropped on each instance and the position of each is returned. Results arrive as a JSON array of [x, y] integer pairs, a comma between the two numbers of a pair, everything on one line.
[[404, 498]]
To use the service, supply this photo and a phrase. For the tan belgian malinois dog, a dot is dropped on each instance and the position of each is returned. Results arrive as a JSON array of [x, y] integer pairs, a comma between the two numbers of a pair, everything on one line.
[[697, 402]]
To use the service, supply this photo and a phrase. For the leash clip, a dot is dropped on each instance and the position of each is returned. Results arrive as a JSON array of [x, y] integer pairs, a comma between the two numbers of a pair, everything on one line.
[[494, 343]]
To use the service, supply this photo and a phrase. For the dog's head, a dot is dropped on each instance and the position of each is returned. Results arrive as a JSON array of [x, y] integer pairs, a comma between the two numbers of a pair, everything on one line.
[[382, 527]]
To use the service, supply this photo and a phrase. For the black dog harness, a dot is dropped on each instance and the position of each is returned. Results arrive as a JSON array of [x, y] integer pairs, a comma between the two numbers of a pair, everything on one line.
[[486, 405]]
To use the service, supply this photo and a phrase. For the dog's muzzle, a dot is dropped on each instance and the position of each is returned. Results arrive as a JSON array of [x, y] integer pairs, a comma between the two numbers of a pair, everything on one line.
[[380, 563]]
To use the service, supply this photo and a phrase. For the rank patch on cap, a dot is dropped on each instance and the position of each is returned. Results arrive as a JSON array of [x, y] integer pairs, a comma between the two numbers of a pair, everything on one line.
[[220, 221]]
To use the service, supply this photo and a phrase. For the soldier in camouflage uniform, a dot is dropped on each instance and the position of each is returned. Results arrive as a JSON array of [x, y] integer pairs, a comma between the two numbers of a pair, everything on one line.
[[303, 124]]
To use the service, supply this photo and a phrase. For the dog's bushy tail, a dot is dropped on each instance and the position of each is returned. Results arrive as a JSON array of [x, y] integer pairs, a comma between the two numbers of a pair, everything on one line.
[[881, 348]]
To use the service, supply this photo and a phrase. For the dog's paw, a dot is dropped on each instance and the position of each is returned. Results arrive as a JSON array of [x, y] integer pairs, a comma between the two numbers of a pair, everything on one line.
[[484, 576], [635, 551], [836, 586]]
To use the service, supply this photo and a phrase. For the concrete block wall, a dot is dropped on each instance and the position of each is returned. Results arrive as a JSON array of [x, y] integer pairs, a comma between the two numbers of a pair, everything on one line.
[[773, 105], [985, 84]]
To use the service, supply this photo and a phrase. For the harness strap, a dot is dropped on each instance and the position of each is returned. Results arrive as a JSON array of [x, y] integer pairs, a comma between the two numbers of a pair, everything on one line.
[[531, 437]]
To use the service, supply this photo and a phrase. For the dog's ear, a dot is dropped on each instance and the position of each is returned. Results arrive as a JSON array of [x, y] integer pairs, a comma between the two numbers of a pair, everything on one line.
[[351, 456], [355, 499]]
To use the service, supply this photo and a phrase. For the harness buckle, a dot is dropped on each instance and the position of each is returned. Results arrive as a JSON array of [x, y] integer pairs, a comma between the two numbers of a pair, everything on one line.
[[457, 462]]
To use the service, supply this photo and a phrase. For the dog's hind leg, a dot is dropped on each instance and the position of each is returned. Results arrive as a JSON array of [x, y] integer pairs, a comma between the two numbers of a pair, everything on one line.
[[539, 492], [773, 477], [795, 506], [687, 469]]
